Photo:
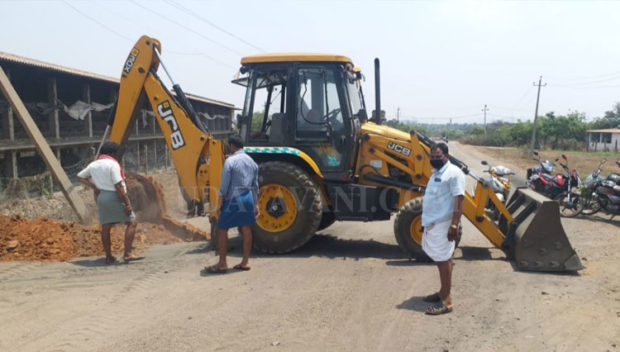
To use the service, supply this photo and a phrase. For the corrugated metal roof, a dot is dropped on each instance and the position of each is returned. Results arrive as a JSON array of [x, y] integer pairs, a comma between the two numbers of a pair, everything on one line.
[[606, 130], [45, 65], [58, 68]]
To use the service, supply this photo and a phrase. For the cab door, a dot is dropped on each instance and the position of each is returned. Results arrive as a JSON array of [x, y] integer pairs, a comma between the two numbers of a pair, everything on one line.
[[322, 123]]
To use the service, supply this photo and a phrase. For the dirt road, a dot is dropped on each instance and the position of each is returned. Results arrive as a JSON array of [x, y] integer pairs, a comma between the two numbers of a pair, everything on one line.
[[348, 289]]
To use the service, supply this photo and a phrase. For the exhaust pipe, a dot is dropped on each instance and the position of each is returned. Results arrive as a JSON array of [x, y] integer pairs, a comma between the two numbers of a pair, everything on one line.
[[377, 118]]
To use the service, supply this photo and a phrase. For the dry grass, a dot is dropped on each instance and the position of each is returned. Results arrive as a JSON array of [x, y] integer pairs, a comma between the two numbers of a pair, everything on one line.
[[584, 162]]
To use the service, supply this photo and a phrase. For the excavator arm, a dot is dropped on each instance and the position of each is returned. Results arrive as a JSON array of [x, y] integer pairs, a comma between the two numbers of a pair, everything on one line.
[[197, 155]]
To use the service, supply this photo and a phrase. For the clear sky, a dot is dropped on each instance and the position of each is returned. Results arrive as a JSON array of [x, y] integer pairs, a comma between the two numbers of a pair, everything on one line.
[[439, 59]]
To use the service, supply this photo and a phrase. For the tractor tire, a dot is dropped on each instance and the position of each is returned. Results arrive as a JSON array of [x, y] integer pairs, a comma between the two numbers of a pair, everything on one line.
[[408, 230], [289, 208], [327, 219]]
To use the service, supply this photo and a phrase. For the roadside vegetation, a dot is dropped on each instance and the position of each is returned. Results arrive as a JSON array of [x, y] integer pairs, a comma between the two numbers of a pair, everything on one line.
[[555, 132], [510, 141]]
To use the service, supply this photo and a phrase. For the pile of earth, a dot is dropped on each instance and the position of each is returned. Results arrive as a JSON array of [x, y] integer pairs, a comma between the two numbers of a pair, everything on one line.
[[45, 239]]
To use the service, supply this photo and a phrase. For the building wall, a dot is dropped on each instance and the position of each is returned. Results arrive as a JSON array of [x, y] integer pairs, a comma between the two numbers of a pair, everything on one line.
[[596, 145]]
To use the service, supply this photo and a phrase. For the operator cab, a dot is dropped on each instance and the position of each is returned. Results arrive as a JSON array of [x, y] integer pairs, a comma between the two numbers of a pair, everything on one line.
[[312, 102]]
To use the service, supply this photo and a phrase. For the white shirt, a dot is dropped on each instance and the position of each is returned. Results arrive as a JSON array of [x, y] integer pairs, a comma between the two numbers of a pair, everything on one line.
[[105, 173], [445, 184]]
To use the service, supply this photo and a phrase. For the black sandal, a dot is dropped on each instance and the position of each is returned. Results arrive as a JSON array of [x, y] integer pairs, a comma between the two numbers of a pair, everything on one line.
[[215, 269], [438, 309]]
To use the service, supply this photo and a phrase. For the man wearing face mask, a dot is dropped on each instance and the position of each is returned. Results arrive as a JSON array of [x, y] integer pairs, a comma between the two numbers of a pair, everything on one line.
[[441, 212]]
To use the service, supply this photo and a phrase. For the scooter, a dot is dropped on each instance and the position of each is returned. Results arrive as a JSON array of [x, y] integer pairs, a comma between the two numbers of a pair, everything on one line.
[[602, 193], [560, 188], [500, 181]]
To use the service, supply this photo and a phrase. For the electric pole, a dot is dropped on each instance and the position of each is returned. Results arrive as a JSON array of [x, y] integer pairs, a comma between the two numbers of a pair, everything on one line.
[[485, 119], [398, 114], [533, 142]]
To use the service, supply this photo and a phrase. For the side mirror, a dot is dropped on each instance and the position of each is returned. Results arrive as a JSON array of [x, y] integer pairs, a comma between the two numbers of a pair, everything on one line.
[[564, 157], [484, 162]]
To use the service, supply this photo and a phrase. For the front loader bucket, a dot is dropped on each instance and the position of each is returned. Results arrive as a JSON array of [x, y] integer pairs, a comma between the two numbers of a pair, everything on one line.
[[536, 238]]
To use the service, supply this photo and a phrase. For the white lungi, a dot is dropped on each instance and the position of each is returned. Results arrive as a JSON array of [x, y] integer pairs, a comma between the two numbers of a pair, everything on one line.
[[435, 241]]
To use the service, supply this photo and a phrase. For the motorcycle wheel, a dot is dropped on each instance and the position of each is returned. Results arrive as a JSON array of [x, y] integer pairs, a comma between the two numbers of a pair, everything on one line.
[[591, 206], [571, 208]]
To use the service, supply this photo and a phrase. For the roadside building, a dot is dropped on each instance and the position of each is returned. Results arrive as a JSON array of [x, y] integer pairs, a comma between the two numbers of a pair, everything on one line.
[[604, 140], [71, 108]]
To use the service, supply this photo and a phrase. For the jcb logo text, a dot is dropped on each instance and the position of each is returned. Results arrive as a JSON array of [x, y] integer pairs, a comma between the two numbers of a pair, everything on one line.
[[165, 112], [399, 149], [131, 60]]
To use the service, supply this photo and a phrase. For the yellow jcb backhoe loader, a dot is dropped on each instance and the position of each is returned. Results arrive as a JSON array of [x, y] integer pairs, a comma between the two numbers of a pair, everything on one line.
[[305, 123]]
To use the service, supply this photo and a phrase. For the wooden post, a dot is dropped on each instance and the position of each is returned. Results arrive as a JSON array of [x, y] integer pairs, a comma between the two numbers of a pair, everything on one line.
[[146, 158], [43, 148], [166, 158], [138, 156], [155, 155], [53, 99], [89, 115], [10, 126]]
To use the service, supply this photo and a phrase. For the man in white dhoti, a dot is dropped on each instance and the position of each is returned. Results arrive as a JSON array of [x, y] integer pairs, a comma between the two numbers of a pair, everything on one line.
[[441, 213]]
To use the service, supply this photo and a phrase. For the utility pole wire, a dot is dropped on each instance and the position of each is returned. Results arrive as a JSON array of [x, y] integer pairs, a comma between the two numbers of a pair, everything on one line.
[[188, 29], [533, 143], [96, 21], [192, 13]]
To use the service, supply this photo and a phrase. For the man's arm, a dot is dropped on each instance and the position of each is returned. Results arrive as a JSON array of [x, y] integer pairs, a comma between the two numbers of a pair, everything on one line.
[[123, 196], [87, 182], [456, 217], [224, 184]]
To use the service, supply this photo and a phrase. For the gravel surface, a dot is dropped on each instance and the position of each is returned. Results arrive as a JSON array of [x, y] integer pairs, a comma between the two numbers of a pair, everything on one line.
[[349, 289]]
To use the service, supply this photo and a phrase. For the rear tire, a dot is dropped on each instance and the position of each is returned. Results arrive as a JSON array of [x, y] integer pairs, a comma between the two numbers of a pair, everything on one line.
[[591, 207], [290, 208]]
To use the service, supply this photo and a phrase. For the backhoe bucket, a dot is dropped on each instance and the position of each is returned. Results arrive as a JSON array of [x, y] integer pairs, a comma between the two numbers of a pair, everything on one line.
[[536, 238]]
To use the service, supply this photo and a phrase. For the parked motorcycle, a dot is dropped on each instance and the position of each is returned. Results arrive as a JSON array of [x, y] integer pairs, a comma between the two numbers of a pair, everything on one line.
[[500, 181], [601, 193], [558, 187], [545, 167]]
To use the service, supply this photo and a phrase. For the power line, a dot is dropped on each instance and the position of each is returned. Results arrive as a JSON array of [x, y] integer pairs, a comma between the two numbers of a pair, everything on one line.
[[188, 29], [96, 21], [194, 14], [587, 78]]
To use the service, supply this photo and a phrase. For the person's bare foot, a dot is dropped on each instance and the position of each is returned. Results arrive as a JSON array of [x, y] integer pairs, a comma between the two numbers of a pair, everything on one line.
[[110, 260], [132, 257], [241, 267]]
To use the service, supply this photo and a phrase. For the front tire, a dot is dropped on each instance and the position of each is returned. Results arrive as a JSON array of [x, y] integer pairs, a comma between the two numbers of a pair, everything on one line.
[[327, 219], [571, 208], [290, 208], [408, 230]]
